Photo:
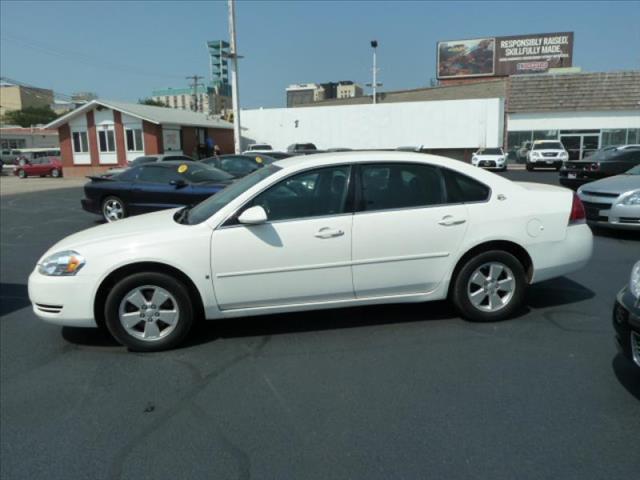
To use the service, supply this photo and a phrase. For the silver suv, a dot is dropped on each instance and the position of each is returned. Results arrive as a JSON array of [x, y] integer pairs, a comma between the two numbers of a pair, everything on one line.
[[546, 154]]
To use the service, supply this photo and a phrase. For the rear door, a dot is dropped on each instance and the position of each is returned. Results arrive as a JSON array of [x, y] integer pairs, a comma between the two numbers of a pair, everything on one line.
[[405, 233]]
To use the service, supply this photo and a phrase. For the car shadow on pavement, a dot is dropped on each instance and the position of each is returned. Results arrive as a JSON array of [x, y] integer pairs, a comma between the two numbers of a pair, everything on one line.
[[89, 337], [319, 320], [556, 292], [13, 296], [628, 375], [618, 234]]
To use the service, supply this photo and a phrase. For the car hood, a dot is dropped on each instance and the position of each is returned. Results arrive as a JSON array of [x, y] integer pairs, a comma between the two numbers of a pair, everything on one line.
[[615, 184], [110, 236]]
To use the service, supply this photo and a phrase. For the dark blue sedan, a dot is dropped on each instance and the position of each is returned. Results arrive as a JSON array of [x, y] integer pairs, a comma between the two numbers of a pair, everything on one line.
[[152, 186]]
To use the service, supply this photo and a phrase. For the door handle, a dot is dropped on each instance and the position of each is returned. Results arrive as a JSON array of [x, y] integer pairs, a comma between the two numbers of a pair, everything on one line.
[[449, 221], [327, 232]]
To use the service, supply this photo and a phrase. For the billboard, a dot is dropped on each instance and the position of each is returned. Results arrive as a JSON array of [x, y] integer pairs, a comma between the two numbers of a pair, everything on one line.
[[513, 55]]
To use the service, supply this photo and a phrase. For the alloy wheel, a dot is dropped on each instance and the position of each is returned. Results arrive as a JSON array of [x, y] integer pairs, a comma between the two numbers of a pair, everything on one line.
[[149, 313], [113, 210], [491, 287]]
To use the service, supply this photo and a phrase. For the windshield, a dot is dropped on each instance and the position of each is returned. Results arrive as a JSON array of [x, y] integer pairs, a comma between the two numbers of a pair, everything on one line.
[[211, 205], [548, 146], [198, 173], [490, 151], [634, 171]]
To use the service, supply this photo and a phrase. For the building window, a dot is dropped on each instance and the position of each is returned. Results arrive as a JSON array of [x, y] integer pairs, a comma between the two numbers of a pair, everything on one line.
[[134, 140], [13, 143], [106, 140], [80, 142]]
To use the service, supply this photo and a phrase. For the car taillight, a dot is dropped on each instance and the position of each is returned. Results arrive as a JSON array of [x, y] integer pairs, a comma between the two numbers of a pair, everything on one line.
[[594, 167], [578, 214]]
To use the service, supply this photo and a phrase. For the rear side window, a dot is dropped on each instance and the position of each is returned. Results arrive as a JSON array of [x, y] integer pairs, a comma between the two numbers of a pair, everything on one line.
[[128, 175], [394, 186], [156, 174], [463, 189]]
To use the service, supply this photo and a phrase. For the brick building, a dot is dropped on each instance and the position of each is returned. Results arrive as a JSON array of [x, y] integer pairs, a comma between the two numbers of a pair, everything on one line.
[[102, 134]]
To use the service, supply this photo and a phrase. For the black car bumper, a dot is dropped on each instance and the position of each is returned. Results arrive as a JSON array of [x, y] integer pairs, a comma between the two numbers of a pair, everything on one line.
[[90, 206], [626, 321]]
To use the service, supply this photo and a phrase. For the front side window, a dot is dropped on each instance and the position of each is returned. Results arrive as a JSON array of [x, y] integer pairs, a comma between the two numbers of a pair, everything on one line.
[[398, 185], [309, 194], [134, 140], [80, 143], [106, 140]]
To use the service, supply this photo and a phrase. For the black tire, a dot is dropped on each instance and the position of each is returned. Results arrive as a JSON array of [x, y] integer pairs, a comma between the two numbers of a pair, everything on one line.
[[180, 295], [529, 167], [55, 173], [22, 174], [460, 292], [111, 201]]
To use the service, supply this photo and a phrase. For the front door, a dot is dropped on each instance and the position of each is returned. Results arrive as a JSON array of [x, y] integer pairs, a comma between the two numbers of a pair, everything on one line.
[[300, 255], [405, 235]]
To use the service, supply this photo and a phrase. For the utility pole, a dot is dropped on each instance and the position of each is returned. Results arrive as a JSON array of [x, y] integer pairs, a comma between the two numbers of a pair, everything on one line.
[[194, 91], [374, 84], [235, 95]]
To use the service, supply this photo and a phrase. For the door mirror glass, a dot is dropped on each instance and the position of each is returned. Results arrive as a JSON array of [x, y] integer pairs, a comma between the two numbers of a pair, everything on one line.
[[253, 216]]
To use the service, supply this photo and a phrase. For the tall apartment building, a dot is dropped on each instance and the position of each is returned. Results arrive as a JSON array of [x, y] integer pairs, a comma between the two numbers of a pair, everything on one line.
[[348, 89], [18, 97]]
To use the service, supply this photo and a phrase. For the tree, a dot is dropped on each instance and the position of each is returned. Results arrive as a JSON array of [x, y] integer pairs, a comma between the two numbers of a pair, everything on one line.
[[30, 116], [152, 102]]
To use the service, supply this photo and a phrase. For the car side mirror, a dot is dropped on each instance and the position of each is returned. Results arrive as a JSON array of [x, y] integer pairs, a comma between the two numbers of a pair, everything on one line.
[[178, 183], [253, 216]]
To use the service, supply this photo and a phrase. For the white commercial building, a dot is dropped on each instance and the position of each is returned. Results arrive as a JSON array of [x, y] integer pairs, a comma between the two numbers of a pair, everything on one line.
[[453, 127]]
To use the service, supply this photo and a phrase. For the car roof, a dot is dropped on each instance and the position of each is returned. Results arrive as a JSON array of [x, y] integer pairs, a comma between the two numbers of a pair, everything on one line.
[[167, 164]]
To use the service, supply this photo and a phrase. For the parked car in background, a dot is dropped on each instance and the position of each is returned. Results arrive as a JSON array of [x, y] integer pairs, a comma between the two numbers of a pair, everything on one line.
[[613, 202], [606, 162], [626, 317], [9, 156], [492, 158], [40, 167], [546, 154], [21, 156], [314, 233], [150, 187], [302, 148], [258, 147], [167, 157], [275, 155], [238, 165]]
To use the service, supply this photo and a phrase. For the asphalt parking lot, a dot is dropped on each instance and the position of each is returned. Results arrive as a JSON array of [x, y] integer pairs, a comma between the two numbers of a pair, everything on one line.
[[409, 391]]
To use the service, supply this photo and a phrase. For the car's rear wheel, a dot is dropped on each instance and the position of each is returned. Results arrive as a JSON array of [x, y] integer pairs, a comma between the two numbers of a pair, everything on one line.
[[22, 173], [55, 173], [113, 209], [149, 312], [489, 287]]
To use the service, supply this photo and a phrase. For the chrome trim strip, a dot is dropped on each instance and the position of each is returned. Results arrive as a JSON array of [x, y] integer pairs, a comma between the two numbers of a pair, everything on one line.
[[402, 258]]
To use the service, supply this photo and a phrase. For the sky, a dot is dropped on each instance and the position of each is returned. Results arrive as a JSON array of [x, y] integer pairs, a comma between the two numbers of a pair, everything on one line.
[[124, 50]]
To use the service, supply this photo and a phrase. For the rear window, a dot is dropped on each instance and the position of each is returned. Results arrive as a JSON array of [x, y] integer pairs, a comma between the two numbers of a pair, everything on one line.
[[463, 189]]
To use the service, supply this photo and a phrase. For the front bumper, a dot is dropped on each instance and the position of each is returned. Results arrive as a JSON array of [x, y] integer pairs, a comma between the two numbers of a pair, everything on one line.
[[545, 163], [604, 211], [626, 321], [63, 300]]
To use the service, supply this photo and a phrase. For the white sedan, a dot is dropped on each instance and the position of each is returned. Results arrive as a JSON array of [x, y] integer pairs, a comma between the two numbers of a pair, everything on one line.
[[493, 158], [325, 231]]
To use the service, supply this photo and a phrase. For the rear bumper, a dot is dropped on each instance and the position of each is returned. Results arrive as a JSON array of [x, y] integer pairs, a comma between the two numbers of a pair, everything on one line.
[[62, 300], [90, 206], [554, 259]]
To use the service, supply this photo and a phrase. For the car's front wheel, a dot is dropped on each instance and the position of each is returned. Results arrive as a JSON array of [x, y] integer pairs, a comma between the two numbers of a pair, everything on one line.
[[489, 287], [113, 209], [55, 173], [529, 167], [149, 312], [22, 173]]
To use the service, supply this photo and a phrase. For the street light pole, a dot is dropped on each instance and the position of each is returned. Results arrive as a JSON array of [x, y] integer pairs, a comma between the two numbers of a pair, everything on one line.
[[235, 96], [375, 84]]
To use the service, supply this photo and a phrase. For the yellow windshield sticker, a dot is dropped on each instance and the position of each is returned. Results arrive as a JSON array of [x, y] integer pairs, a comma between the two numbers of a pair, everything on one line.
[[258, 160], [183, 168]]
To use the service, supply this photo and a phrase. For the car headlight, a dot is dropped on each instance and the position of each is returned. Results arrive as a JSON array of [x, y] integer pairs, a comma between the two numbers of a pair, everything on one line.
[[564, 155], [501, 159], [65, 263], [535, 154], [632, 198], [634, 280]]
